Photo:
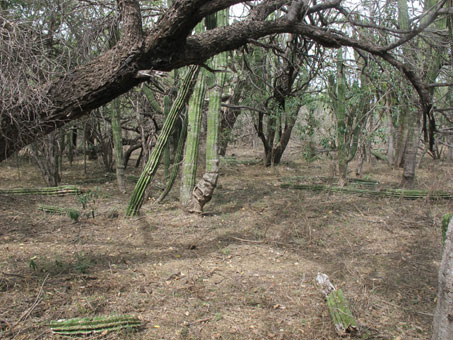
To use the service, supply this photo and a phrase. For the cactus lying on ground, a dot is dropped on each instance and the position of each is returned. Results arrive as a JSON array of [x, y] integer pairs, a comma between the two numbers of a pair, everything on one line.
[[61, 190], [92, 325]]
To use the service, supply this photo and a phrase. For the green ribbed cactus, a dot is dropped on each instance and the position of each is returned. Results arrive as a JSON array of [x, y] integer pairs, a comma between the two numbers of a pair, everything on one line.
[[176, 162], [219, 62], [138, 194], [204, 189], [92, 325], [445, 221], [193, 138]]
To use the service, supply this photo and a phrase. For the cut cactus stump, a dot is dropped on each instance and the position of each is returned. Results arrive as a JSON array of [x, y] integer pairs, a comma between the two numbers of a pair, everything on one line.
[[342, 318]]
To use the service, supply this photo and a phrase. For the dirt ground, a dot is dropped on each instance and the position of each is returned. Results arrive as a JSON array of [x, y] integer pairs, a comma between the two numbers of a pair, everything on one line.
[[244, 270]]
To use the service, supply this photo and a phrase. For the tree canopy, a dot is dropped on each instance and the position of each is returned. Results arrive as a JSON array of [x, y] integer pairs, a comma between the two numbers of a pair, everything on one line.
[[44, 85]]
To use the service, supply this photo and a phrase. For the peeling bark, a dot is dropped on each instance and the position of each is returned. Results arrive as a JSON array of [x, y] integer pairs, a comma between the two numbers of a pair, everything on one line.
[[443, 316], [202, 193]]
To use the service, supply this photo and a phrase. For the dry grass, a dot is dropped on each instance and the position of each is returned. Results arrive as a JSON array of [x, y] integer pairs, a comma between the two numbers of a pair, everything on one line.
[[245, 270]]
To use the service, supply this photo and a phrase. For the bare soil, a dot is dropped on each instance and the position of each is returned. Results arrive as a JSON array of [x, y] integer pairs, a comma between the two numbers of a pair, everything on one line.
[[244, 270]]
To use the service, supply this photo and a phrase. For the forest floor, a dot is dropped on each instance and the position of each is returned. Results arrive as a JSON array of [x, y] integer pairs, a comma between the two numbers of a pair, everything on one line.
[[243, 270]]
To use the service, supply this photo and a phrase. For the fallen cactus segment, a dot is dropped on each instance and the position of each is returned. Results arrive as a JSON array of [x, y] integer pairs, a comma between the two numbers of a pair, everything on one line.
[[338, 306], [58, 191], [92, 325], [74, 214], [398, 193]]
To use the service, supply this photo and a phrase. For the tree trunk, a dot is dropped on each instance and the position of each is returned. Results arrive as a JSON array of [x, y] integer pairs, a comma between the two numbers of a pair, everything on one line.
[[202, 193], [340, 114], [362, 158], [167, 147], [401, 141], [89, 133], [403, 118], [176, 161], [118, 144], [144, 155], [450, 148], [71, 145], [104, 139], [45, 153], [443, 315], [391, 131], [410, 155], [229, 116]]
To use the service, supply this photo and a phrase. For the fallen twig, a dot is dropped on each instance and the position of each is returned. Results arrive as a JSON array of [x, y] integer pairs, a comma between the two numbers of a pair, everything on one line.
[[244, 240], [27, 313]]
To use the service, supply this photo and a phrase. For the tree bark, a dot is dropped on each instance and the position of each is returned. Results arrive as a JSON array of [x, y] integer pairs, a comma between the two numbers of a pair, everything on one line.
[[229, 116], [118, 144], [45, 153], [410, 155], [202, 193], [391, 131], [450, 148], [443, 315]]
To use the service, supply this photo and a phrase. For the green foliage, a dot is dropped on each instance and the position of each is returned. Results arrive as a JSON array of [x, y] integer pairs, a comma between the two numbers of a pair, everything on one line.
[[32, 263], [88, 200], [445, 221], [314, 128], [74, 215], [80, 264]]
